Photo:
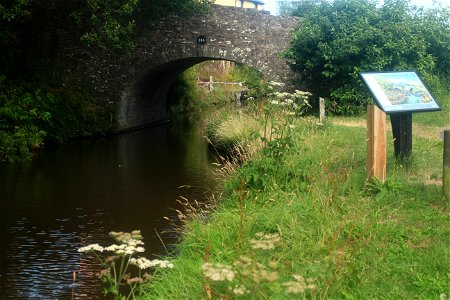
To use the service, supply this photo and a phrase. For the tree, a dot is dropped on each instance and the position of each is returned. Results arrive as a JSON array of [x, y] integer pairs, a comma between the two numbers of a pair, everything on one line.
[[31, 111], [336, 40], [111, 23]]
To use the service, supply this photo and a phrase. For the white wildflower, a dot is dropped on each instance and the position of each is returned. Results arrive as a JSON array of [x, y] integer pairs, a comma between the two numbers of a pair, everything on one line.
[[114, 247], [134, 242], [218, 272], [240, 290], [266, 241], [124, 237], [144, 263], [299, 285], [274, 83], [92, 247], [162, 263], [129, 250]]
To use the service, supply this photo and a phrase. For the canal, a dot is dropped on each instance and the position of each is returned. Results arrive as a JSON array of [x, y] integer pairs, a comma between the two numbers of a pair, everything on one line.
[[76, 193]]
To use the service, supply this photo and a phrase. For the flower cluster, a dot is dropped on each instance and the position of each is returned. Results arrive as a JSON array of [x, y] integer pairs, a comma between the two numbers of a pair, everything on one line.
[[274, 83], [240, 290], [144, 263], [265, 241], [297, 101], [129, 247], [299, 285], [91, 247], [124, 237], [116, 265], [256, 271], [218, 272]]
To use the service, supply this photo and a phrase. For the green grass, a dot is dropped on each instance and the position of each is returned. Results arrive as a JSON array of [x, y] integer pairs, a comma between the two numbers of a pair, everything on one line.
[[439, 119], [353, 238]]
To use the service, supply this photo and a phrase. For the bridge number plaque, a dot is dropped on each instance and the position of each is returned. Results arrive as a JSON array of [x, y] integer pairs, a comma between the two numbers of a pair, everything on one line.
[[201, 40]]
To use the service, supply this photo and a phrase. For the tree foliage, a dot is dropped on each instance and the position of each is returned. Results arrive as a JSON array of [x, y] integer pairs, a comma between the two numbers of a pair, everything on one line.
[[13, 9], [111, 23], [336, 40], [32, 109]]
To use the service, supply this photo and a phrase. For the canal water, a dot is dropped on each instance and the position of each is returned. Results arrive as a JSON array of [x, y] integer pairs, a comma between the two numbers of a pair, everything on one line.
[[75, 194]]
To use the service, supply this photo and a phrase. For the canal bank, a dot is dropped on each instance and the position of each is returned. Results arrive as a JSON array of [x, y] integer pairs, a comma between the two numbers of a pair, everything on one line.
[[302, 222]]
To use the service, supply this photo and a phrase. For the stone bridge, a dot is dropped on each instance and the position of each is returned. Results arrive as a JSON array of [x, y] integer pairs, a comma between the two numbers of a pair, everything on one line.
[[138, 84]]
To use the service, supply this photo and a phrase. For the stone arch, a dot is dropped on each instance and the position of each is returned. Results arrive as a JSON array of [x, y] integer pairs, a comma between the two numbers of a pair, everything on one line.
[[134, 85], [146, 101]]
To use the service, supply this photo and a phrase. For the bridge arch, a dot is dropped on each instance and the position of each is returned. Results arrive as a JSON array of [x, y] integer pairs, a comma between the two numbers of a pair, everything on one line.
[[137, 84], [232, 34], [145, 102]]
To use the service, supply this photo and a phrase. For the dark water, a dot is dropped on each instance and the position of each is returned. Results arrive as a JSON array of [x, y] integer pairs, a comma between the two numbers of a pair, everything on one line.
[[75, 194]]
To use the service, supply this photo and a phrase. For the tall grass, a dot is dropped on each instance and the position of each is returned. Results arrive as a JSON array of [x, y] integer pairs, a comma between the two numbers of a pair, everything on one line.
[[340, 235], [300, 220]]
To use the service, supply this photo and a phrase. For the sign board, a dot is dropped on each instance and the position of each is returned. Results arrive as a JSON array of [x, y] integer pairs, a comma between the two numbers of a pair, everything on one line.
[[201, 40], [399, 92]]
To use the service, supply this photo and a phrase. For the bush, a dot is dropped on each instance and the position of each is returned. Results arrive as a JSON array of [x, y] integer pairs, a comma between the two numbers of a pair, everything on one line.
[[336, 40], [22, 116], [30, 115]]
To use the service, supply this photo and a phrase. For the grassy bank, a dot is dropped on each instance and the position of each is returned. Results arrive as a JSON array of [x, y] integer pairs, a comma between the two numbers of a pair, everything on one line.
[[301, 221]]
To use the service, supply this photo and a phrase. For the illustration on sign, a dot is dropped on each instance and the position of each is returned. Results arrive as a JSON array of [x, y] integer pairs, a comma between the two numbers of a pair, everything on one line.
[[399, 91]]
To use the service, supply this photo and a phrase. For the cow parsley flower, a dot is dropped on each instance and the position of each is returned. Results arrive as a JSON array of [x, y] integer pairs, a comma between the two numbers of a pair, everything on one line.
[[144, 263], [265, 241], [91, 247], [218, 272]]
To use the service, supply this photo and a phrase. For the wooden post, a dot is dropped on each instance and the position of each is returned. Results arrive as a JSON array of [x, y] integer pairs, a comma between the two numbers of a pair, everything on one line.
[[211, 83], [446, 174], [376, 143], [322, 110], [402, 133]]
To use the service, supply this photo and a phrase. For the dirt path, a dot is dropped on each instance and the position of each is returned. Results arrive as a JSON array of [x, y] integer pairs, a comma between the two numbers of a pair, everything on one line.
[[423, 131]]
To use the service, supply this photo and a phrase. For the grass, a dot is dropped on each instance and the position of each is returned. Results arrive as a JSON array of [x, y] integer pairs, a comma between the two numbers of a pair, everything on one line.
[[340, 236], [225, 131]]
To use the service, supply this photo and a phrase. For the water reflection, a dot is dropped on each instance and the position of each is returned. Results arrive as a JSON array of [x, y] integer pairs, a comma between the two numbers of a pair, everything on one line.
[[76, 194]]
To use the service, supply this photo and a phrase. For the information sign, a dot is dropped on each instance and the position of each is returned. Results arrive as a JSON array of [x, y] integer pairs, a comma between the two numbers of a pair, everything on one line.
[[399, 92]]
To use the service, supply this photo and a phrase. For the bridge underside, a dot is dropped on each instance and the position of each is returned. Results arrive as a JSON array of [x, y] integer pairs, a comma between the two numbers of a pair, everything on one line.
[[145, 103]]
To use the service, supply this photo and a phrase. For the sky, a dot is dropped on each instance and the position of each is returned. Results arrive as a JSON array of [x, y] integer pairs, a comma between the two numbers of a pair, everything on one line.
[[271, 4]]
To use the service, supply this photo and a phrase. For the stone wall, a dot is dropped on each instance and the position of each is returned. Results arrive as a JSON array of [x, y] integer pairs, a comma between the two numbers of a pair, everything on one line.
[[136, 85]]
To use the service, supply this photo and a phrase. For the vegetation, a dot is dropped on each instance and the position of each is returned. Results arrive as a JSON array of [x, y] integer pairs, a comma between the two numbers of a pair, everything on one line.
[[111, 24], [190, 96], [32, 109], [300, 221], [336, 40], [29, 116], [117, 260]]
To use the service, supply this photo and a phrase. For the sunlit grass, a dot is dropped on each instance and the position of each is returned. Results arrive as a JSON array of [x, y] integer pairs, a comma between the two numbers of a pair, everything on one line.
[[350, 237]]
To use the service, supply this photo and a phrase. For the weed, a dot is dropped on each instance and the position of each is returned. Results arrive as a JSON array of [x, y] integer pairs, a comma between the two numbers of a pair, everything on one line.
[[119, 258]]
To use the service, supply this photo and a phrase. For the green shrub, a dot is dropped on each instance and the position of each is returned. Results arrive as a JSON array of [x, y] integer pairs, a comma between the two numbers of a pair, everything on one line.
[[258, 88], [336, 40], [29, 116], [22, 117]]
